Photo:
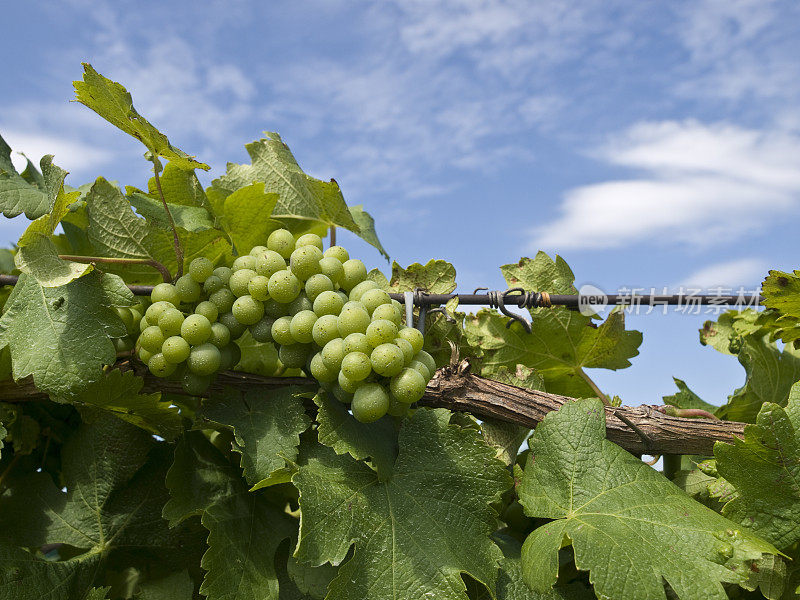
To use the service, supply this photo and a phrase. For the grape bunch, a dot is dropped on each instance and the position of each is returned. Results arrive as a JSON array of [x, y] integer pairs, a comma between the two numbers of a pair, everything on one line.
[[318, 308]]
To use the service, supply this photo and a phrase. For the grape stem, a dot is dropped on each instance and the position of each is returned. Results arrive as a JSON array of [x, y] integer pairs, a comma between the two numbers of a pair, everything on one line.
[[333, 235], [176, 242], [150, 262]]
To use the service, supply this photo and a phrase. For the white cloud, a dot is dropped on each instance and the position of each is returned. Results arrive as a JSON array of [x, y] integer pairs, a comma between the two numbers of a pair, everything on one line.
[[71, 155], [704, 184], [743, 272]]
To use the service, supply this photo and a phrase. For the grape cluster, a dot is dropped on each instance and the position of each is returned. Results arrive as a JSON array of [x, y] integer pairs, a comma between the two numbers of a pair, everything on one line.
[[318, 308]]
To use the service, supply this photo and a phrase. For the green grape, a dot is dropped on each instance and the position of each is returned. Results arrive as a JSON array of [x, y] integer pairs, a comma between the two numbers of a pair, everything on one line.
[[257, 251], [136, 318], [316, 284], [201, 269], [332, 354], [159, 366], [194, 384], [309, 239], [123, 344], [354, 318], [304, 262], [408, 386], [320, 371], [188, 289], [325, 329], [347, 384], [275, 309], [299, 304], [240, 280], [229, 357], [328, 303], [338, 253], [423, 369], [407, 348], [381, 332], [224, 273], [282, 331], [269, 263], [332, 268], [282, 242], [360, 288], [175, 349], [259, 287], [343, 296], [397, 409], [151, 339], [354, 273], [401, 308], [427, 360], [170, 322], [342, 396], [356, 366], [244, 262], [388, 312], [155, 310], [235, 327], [208, 309], [357, 342], [212, 284], [165, 292], [295, 355], [220, 335], [372, 299], [284, 286], [126, 316], [247, 310], [223, 299], [413, 336], [196, 329], [387, 360], [262, 331], [302, 326], [144, 355], [370, 403], [204, 359]]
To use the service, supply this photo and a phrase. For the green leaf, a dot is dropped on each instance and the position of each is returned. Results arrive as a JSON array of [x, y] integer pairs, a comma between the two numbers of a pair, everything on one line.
[[505, 437], [686, 398], [18, 194], [339, 430], [244, 216], [62, 336], [266, 427], [366, 226], [630, 527], [177, 586], [435, 277], [310, 582], [190, 218], [415, 533], [180, 186], [257, 357], [541, 274], [727, 333], [23, 576], [112, 101], [781, 291]]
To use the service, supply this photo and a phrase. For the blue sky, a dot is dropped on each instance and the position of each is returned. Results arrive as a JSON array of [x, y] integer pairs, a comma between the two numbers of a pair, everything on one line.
[[650, 144]]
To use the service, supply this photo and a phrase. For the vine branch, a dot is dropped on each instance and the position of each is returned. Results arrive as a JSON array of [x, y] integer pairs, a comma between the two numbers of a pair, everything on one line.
[[150, 262], [176, 242]]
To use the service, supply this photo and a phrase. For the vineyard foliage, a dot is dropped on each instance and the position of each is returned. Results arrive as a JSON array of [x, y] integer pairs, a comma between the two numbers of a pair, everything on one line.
[[112, 486]]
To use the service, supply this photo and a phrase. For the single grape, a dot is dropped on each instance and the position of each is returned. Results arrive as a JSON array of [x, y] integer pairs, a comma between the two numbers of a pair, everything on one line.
[[223, 299], [427, 360], [212, 284], [354, 273], [123, 344], [144, 355], [325, 329], [159, 366], [282, 331], [357, 342], [360, 289], [397, 409], [316, 284], [269, 263], [295, 355], [388, 312], [343, 296], [194, 384], [275, 309], [247, 310], [299, 304], [175, 349], [201, 269], [332, 268], [328, 303], [320, 371], [151, 339], [372, 299], [284, 286], [347, 384], [302, 326], [257, 251], [244, 262], [144, 324], [408, 386], [337, 252], [220, 335], [188, 289], [332, 354], [370, 402], [407, 348], [239, 282], [259, 287], [208, 309], [423, 369], [309, 239], [170, 322], [136, 318], [387, 360], [236, 329], [126, 316], [204, 359], [356, 366], [381, 332], [304, 262], [229, 357], [165, 292], [262, 331], [196, 329], [224, 273], [282, 242], [413, 336], [354, 318], [342, 396]]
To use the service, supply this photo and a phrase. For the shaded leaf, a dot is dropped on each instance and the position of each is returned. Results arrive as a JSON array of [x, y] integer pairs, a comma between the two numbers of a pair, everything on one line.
[[190, 218], [366, 226], [20, 194], [245, 216], [686, 398]]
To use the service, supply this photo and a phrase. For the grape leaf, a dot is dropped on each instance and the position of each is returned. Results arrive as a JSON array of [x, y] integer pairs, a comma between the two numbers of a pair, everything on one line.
[[112, 101], [435, 277], [179, 186], [23, 576], [244, 216], [415, 533], [541, 274], [257, 357], [3, 434], [727, 333], [310, 583], [630, 527], [20, 194], [781, 291], [366, 226], [764, 468], [266, 427], [62, 336], [190, 218], [686, 398], [177, 586]]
